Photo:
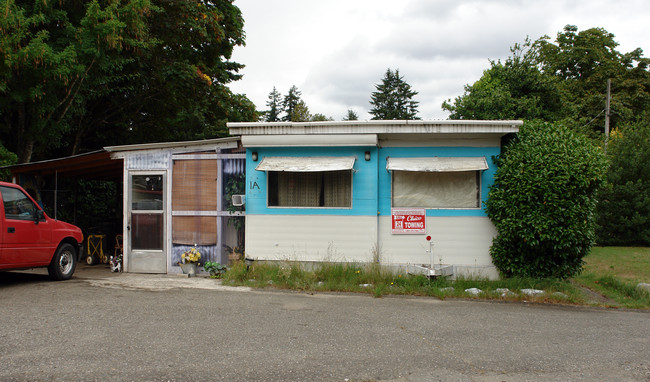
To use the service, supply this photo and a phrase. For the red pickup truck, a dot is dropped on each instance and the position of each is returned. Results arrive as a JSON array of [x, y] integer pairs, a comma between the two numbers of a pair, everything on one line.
[[30, 239]]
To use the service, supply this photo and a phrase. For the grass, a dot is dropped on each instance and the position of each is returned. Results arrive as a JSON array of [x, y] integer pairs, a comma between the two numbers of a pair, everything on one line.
[[614, 272], [373, 279]]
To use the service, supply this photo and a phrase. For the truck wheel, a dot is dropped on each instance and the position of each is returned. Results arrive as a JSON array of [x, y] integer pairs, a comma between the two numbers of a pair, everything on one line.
[[63, 263]]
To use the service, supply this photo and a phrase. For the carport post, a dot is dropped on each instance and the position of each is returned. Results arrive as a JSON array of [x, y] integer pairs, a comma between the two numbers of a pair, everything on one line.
[[56, 190]]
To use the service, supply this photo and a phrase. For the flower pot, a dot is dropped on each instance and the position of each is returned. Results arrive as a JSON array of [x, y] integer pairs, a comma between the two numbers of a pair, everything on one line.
[[189, 268]]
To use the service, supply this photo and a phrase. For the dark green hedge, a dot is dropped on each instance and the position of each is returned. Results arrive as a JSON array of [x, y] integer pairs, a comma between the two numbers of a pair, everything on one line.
[[543, 201], [624, 202]]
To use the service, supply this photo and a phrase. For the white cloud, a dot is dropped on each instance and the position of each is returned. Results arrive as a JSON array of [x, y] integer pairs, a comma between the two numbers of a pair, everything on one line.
[[336, 51]]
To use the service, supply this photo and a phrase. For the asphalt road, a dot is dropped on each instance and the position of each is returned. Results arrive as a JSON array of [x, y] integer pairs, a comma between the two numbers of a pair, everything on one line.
[[122, 327]]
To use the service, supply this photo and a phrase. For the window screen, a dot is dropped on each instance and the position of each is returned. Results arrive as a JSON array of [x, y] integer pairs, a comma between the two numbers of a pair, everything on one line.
[[436, 189]]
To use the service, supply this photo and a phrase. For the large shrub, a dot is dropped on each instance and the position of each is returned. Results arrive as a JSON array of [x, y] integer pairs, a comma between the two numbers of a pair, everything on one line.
[[7, 158], [624, 202], [543, 200]]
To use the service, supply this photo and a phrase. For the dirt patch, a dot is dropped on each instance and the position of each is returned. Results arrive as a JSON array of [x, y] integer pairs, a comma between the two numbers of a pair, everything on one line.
[[593, 297]]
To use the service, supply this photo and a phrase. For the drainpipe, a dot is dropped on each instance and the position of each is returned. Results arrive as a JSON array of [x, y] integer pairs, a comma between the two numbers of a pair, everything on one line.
[[377, 245]]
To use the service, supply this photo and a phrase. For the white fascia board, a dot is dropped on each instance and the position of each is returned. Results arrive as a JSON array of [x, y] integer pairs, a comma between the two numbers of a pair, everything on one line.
[[309, 140], [374, 127], [223, 143]]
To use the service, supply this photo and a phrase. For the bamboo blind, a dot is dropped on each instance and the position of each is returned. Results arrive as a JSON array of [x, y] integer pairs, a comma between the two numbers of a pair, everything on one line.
[[194, 230], [194, 185], [194, 188]]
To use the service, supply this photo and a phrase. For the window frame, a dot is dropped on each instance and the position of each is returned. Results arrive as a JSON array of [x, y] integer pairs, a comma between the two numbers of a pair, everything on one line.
[[479, 191], [268, 190], [25, 200]]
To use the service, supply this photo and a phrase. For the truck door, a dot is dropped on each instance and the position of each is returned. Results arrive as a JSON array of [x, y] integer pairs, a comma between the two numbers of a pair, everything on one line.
[[26, 241]]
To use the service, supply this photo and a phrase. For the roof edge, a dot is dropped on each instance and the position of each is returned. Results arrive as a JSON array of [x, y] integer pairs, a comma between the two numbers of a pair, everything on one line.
[[176, 144], [375, 126]]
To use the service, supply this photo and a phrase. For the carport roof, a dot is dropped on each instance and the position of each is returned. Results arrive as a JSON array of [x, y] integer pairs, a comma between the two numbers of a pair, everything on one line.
[[93, 165], [107, 164]]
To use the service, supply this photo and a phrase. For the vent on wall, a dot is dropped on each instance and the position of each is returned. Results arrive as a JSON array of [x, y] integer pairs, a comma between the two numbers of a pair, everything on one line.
[[238, 200]]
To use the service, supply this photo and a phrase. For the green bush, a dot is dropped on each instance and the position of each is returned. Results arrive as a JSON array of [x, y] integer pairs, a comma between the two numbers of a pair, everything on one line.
[[543, 200], [7, 158], [215, 269], [624, 202]]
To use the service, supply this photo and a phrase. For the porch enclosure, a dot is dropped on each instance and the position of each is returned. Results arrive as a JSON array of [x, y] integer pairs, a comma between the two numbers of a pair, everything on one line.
[[199, 207], [191, 209]]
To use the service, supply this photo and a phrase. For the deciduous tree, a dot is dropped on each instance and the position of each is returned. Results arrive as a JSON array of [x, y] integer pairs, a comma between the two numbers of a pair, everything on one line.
[[300, 112], [79, 75], [318, 117], [52, 51], [564, 80], [624, 206], [583, 61], [515, 89]]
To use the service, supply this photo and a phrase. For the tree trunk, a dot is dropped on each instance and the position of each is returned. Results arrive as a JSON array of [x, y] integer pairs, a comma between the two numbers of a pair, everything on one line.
[[24, 144], [25, 155]]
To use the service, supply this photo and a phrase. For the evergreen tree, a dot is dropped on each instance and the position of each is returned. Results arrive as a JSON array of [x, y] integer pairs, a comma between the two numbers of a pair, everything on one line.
[[275, 106], [290, 101], [393, 98], [351, 116]]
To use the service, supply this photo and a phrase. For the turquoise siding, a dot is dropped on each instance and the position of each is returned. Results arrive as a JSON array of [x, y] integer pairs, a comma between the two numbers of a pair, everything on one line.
[[371, 182], [364, 181]]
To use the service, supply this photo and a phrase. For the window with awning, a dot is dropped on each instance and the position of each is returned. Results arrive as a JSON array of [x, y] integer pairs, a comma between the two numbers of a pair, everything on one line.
[[309, 181], [436, 182], [437, 164], [306, 164]]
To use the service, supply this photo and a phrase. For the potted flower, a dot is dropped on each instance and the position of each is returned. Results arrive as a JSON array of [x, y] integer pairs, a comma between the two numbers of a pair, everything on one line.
[[190, 260]]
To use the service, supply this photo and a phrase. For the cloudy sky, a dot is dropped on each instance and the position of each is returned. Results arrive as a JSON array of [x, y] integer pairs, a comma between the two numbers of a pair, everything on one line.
[[336, 51]]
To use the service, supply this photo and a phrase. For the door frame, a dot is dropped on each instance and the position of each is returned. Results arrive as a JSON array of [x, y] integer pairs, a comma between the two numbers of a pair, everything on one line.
[[127, 242]]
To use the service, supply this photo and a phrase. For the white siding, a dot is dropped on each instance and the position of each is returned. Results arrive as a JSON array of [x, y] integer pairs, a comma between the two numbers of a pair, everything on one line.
[[310, 238], [461, 241]]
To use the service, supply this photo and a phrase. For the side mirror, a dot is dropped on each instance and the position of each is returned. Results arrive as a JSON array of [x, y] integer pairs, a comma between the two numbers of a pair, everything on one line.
[[38, 216]]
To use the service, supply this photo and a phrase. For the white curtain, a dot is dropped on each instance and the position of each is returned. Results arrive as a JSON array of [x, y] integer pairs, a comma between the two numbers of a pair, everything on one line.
[[435, 189], [314, 189]]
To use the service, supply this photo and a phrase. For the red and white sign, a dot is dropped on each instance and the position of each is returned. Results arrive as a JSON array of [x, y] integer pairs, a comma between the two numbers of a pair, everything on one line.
[[408, 221]]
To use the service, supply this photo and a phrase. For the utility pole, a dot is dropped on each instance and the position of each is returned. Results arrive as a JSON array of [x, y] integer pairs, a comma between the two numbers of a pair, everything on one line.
[[607, 110]]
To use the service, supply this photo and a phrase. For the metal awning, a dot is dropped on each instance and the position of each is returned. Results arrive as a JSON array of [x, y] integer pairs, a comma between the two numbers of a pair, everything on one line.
[[93, 165], [437, 164], [306, 164]]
